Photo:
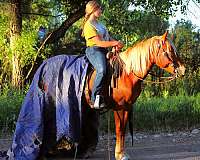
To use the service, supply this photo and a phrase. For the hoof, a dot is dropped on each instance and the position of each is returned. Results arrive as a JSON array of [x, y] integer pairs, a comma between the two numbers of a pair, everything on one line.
[[123, 156]]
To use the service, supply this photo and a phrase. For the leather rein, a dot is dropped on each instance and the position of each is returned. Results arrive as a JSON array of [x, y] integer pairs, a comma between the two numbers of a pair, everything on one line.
[[167, 79]]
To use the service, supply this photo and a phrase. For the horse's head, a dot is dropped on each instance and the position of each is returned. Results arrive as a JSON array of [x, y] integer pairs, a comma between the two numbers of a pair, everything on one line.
[[166, 57]]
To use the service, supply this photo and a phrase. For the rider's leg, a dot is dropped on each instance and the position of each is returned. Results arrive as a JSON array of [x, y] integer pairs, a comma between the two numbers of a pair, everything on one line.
[[97, 58]]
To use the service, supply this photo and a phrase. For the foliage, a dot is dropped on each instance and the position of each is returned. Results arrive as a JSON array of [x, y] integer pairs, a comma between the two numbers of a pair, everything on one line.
[[11, 101], [187, 43], [171, 113], [73, 39], [132, 23], [128, 21], [4, 49], [27, 45], [156, 114]]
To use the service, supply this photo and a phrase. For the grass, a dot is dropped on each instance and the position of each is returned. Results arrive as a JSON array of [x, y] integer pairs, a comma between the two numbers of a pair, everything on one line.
[[170, 113], [157, 114]]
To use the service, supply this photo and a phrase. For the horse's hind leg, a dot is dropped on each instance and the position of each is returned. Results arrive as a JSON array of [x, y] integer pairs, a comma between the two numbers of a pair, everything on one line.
[[121, 118], [89, 134]]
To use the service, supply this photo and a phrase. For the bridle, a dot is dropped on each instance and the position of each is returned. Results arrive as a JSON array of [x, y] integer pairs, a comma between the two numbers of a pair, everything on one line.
[[166, 79]]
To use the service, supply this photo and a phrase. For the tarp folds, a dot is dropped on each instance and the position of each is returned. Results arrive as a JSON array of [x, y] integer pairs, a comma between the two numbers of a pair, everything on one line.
[[54, 97]]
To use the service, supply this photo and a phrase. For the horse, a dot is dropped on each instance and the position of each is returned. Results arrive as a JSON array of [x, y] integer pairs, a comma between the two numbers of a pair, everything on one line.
[[52, 107], [138, 61]]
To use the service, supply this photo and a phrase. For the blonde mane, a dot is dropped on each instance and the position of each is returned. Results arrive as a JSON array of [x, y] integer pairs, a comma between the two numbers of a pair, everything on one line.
[[137, 57]]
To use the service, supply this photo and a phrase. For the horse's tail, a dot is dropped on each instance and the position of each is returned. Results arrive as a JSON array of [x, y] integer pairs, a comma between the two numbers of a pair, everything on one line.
[[130, 122]]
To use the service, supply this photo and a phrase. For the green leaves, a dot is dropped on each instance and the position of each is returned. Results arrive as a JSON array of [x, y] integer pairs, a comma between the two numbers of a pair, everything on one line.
[[127, 20], [131, 21]]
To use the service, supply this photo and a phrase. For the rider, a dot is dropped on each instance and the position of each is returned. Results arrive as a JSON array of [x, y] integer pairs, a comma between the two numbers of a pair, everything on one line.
[[97, 40]]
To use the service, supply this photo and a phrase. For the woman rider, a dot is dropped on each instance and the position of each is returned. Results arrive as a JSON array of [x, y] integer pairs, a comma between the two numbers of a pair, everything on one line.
[[97, 41]]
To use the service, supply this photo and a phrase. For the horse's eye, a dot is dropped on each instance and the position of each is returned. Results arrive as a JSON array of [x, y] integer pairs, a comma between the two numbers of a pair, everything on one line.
[[166, 54]]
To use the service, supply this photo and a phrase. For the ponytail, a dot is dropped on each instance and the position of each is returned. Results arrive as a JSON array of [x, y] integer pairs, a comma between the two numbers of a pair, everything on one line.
[[91, 6], [87, 16]]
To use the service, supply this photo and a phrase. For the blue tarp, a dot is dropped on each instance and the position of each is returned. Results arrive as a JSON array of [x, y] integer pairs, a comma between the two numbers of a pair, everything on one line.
[[58, 83]]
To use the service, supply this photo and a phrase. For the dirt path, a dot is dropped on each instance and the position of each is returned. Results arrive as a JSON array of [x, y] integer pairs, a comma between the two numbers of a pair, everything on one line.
[[164, 146], [163, 152]]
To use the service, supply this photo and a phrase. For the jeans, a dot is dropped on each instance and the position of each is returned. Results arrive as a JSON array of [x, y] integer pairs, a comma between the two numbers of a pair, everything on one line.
[[97, 57]]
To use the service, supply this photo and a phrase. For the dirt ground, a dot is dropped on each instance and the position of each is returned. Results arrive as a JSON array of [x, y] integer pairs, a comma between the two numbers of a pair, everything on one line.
[[162, 146]]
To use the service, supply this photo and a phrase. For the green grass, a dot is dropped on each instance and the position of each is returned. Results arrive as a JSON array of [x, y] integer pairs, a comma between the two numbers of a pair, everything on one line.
[[170, 113], [157, 114]]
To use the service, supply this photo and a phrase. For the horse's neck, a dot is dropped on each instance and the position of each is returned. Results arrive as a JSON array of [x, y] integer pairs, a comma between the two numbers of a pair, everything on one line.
[[137, 61]]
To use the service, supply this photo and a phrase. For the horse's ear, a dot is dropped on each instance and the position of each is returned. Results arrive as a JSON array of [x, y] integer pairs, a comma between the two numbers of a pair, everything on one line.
[[164, 36], [172, 37]]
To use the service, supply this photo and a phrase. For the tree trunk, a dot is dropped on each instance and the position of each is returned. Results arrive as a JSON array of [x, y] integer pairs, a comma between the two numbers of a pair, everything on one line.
[[15, 31], [26, 8]]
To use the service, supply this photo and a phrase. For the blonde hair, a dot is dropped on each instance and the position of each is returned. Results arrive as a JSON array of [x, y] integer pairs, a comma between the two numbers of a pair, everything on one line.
[[90, 8]]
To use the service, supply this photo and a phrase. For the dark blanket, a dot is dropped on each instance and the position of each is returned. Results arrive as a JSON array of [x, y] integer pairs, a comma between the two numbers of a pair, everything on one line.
[[54, 97]]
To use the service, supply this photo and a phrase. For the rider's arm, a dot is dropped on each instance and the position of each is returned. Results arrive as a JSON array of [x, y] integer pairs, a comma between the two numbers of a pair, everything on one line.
[[93, 38], [101, 43]]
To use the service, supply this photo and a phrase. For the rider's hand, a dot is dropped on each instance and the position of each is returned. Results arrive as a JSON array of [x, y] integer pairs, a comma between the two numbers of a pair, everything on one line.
[[119, 46]]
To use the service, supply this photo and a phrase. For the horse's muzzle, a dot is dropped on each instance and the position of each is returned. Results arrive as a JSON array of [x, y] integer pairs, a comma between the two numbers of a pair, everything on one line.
[[180, 71]]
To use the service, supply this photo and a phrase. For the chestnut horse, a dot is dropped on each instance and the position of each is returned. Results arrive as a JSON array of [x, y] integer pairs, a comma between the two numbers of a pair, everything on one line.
[[138, 60]]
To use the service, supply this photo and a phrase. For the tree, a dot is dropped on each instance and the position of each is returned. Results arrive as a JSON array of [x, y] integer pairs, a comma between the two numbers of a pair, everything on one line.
[[59, 15], [76, 10], [187, 43], [15, 31]]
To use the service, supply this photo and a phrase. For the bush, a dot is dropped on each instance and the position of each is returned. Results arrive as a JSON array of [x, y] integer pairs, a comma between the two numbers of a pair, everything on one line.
[[171, 113], [10, 103]]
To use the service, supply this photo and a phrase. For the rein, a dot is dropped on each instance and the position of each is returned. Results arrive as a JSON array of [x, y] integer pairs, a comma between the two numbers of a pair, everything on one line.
[[171, 78]]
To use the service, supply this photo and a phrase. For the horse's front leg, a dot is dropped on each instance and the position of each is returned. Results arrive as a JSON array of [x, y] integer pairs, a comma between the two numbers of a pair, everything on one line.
[[121, 118]]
